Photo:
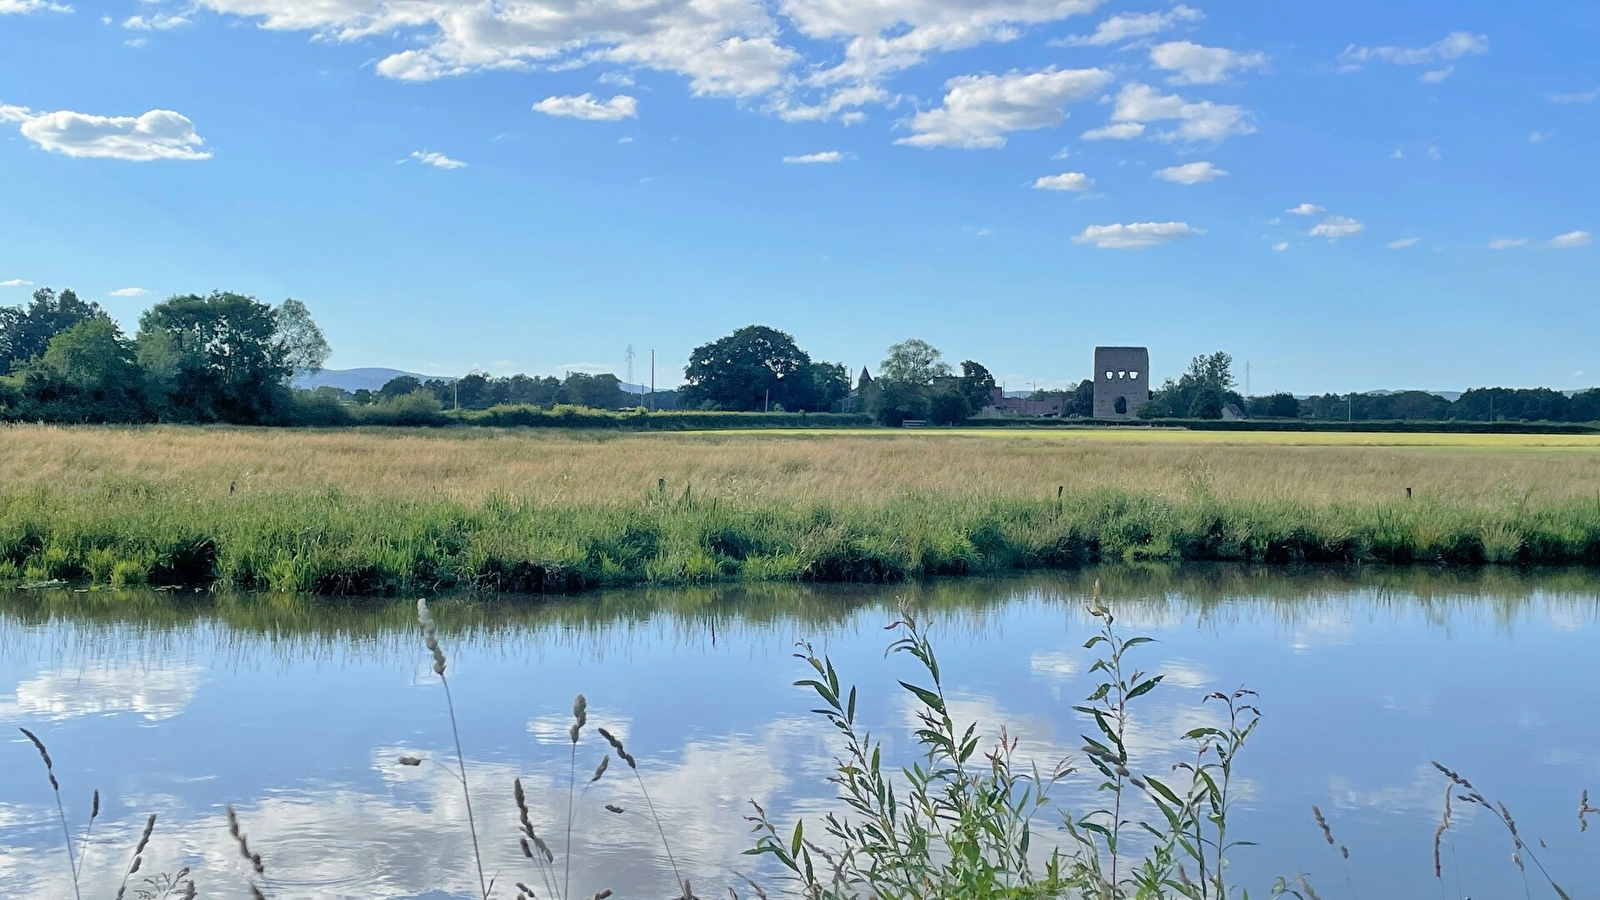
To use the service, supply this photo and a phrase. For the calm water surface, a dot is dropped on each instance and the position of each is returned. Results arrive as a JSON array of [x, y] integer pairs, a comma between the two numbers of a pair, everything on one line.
[[296, 712]]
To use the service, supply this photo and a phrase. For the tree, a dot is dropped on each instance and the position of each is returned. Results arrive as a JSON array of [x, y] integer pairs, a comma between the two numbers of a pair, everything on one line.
[[913, 361], [753, 367], [218, 358], [977, 386], [299, 339], [1201, 392], [1275, 406], [1082, 401], [595, 391], [88, 373], [26, 332], [399, 386]]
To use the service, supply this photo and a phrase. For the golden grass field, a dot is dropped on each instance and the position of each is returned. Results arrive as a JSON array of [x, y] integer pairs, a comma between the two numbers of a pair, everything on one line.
[[848, 467]]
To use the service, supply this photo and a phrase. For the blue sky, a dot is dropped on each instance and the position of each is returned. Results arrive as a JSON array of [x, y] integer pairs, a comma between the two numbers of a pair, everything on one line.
[[1351, 195]]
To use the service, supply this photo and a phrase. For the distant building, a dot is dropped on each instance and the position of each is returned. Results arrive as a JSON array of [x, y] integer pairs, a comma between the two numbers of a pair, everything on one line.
[[854, 401], [1121, 381], [1049, 405]]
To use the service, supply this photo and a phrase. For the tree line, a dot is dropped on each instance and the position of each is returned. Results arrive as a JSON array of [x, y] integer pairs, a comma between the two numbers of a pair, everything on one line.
[[223, 357], [231, 358]]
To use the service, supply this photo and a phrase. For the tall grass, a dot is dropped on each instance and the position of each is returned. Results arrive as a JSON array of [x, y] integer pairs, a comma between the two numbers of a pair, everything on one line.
[[362, 513]]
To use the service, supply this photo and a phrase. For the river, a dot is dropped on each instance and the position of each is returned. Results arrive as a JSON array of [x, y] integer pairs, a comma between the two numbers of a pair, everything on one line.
[[296, 712]]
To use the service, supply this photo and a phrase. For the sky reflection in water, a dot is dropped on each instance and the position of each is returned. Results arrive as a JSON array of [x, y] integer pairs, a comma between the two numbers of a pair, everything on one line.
[[297, 713]]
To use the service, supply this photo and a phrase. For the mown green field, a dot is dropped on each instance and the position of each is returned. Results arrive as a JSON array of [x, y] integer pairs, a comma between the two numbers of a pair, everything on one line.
[[380, 511]]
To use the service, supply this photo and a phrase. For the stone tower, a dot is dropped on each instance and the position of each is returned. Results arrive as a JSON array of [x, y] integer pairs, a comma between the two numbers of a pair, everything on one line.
[[1121, 381]]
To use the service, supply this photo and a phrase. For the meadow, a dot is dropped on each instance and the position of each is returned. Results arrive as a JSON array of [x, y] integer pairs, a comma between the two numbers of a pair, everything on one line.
[[386, 510]]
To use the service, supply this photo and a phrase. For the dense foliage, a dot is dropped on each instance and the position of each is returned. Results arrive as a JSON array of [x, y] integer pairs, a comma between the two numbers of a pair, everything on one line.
[[760, 368], [220, 358]]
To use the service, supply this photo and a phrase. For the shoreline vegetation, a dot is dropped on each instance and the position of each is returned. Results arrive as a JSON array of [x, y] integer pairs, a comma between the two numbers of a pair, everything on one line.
[[364, 513]]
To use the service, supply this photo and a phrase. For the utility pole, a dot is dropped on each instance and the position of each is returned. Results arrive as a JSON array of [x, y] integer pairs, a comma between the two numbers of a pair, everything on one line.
[[652, 379], [766, 405], [1247, 379], [1350, 407]]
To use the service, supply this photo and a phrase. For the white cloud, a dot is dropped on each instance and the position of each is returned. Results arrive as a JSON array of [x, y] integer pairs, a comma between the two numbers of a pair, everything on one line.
[[1335, 227], [1571, 240], [1117, 131], [154, 692], [158, 134], [1204, 121], [1196, 64], [884, 36], [1539, 137], [730, 48], [826, 156], [1054, 666], [1063, 153], [24, 7], [1306, 209], [437, 160], [129, 292], [1135, 236], [1191, 173], [1281, 246], [616, 79], [1456, 45], [1402, 243], [15, 282], [586, 106], [1128, 26], [157, 22], [1437, 76], [1066, 181], [1584, 97], [979, 110], [724, 47], [1507, 243]]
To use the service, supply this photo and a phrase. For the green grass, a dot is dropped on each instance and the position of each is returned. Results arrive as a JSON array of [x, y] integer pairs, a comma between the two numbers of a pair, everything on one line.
[[328, 541]]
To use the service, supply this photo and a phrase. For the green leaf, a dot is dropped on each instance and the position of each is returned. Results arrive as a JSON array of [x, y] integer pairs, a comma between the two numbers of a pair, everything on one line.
[[929, 698], [1146, 687]]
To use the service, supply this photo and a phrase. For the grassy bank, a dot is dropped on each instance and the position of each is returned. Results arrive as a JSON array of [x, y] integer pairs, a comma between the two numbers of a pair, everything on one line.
[[371, 513]]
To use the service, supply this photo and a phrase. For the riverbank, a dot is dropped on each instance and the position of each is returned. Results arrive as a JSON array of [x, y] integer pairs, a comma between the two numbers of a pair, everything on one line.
[[362, 513]]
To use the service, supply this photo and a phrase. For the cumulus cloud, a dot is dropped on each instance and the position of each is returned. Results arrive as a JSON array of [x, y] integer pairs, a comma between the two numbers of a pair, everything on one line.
[[1196, 64], [1135, 236], [1117, 131], [733, 48], [1507, 243], [1402, 243], [437, 160], [1191, 173], [1571, 240], [979, 110], [15, 282], [884, 36], [1203, 121], [586, 106], [1281, 246], [826, 156], [1306, 209], [1128, 26], [1456, 45], [1335, 227], [24, 7], [1066, 181], [1438, 75], [129, 292], [158, 134]]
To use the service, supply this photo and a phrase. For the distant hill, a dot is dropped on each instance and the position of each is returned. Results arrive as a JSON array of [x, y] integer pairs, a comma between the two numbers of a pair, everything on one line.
[[353, 379]]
